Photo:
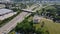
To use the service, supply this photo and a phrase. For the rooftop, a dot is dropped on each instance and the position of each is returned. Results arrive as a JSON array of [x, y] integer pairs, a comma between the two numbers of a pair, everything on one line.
[[3, 11]]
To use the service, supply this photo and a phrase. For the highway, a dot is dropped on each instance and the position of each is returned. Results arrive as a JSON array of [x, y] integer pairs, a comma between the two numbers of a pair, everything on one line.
[[9, 26], [12, 24]]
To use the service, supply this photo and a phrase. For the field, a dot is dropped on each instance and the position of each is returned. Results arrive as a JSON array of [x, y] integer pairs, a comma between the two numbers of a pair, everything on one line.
[[52, 27]]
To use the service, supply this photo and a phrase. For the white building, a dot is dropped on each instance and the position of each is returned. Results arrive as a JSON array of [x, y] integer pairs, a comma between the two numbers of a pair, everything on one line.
[[5, 13], [36, 19]]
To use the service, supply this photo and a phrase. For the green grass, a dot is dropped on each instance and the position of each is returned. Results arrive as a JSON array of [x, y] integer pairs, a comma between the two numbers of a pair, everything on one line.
[[53, 28], [43, 29], [37, 26]]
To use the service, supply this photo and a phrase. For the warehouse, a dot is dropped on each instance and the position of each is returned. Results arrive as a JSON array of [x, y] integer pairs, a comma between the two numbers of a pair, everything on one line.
[[5, 11]]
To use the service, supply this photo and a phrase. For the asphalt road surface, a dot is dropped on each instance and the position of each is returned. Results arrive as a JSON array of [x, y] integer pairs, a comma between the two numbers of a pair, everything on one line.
[[9, 26]]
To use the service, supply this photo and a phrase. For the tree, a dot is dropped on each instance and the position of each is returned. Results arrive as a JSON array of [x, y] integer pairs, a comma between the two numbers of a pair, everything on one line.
[[25, 27], [50, 11], [23, 6], [41, 31]]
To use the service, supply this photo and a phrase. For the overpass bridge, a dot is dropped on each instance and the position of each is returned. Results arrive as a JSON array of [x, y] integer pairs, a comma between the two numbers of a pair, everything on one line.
[[30, 10]]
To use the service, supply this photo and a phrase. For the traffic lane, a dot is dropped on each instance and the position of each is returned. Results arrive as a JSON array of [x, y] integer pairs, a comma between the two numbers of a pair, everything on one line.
[[14, 21]]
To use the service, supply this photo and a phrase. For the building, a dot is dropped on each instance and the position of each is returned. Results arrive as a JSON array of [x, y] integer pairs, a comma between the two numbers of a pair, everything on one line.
[[36, 19], [5, 13]]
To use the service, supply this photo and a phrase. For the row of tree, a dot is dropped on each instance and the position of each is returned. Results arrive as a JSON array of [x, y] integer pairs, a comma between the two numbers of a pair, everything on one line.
[[52, 12]]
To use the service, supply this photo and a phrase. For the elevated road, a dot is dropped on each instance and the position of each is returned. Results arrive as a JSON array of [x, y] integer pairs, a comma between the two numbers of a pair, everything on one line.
[[29, 10]]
